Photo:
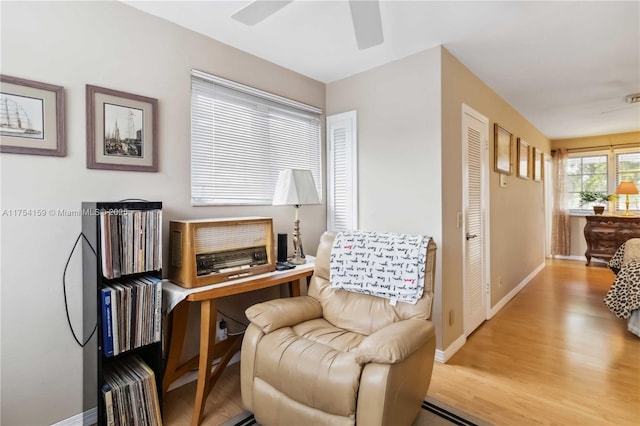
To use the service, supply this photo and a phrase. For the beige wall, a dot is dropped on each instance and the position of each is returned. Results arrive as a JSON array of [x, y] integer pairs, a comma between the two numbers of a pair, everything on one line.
[[622, 140], [108, 44], [516, 211], [399, 150], [401, 107]]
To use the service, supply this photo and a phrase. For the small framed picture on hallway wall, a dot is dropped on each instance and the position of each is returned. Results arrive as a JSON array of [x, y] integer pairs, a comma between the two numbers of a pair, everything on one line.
[[523, 159], [502, 149]]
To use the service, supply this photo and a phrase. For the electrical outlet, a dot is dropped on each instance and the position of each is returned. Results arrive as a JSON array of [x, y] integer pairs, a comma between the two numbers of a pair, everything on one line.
[[499, 281], [221, 331], [451, 317]]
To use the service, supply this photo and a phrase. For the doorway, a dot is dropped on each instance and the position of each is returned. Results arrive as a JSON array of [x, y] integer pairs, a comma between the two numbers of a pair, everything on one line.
[[475, 204]]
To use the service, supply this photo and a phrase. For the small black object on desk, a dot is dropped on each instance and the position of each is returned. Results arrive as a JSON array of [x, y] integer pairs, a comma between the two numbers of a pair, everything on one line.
[[283, 266]]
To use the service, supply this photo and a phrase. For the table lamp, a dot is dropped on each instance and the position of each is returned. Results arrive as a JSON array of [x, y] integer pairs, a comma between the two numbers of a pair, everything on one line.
[[296, 187], [626, 188]]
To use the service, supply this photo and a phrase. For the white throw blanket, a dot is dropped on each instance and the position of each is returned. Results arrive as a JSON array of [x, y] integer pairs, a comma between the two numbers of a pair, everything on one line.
[[380, 264]]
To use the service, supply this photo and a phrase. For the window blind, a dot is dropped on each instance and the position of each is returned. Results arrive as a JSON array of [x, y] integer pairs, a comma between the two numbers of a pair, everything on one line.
[[342, 197], [628, 169], [241, 138]]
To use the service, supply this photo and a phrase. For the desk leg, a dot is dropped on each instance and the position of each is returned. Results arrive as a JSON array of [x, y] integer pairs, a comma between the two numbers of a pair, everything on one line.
[[176, 342], [294, 288], [207, 342]]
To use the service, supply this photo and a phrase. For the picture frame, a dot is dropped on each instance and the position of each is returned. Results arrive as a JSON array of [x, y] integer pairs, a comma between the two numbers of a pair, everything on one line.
[[122, 130], [523, 159], [502, 149], [32, 117], [541, 166], [537, 159]]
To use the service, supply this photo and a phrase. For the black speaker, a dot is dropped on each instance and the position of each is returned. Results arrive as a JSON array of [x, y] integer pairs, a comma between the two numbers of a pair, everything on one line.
[[282, 247]]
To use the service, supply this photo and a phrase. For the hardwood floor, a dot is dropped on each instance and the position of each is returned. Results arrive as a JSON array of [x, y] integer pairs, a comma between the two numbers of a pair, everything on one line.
[[553, 355]]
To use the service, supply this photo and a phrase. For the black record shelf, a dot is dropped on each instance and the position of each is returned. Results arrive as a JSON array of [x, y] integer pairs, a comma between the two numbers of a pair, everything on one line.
[[127, 266]]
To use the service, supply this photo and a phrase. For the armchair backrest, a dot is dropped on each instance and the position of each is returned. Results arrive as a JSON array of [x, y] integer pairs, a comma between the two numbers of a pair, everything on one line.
[[362, 313], [631, 251]]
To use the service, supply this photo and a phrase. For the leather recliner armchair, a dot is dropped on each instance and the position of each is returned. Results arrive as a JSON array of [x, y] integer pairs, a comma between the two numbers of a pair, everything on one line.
[[338, 358]]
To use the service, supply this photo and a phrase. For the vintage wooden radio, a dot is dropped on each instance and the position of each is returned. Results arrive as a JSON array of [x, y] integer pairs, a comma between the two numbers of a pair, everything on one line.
[[211, 251]]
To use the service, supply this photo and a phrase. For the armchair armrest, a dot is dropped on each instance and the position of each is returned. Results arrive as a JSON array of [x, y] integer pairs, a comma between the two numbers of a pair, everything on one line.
[[395, 342], [278, 313]]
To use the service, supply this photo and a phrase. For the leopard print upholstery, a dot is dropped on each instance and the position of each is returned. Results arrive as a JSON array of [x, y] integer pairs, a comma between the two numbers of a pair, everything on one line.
[[616, 261], [624, 295]]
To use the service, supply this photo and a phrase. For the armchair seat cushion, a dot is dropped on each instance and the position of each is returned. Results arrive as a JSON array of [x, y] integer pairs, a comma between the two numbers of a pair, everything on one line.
[[322, 331], [318, 370]]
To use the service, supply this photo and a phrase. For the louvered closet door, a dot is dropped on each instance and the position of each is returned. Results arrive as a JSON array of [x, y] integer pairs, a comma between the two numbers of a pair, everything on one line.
[[475, 140], [342, 208]]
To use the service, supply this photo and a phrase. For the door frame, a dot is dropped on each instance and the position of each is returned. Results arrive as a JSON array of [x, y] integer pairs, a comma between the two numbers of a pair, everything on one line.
[[484, 206]]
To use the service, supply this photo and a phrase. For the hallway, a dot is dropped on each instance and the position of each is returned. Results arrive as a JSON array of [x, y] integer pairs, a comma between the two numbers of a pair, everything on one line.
[[553, 355]]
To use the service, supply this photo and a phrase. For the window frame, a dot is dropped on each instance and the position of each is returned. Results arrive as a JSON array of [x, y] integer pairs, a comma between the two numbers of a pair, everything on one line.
[[612, 174], [614, 179]]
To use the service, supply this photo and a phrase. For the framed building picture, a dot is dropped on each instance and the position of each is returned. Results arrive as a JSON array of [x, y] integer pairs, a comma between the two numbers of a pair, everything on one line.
[[121, 130], [523, 159], [502, 149], [31, 117]]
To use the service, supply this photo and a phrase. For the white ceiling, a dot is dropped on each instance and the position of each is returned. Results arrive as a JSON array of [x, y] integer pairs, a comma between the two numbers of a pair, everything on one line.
[[565, 66]]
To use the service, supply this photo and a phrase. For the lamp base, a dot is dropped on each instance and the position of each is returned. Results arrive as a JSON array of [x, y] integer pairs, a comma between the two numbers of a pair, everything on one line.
[[297, 260], [627, 213]]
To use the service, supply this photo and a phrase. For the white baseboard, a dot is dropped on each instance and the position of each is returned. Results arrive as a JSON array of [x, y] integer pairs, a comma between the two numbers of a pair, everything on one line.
[[579, 258], [444, 356], [496, 308], [90, 417]]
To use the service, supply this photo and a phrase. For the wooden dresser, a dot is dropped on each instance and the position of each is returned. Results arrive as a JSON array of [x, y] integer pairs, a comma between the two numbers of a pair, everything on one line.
[[604, 234]]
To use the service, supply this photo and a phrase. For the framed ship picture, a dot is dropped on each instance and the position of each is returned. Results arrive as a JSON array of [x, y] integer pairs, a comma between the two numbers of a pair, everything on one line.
[[121, 131], [31, 117]]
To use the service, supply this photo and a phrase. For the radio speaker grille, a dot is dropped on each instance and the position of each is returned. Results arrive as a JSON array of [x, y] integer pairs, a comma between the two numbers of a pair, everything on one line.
[[176, 249], [242, 235]]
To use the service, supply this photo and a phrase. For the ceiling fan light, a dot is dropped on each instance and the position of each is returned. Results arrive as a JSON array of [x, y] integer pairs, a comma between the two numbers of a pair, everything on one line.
[[633, 99]]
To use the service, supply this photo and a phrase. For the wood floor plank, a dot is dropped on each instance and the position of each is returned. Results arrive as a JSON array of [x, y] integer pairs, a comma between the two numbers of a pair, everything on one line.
[[554, 355]]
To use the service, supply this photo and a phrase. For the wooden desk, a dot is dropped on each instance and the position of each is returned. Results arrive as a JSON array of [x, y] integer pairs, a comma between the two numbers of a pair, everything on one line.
[[207, 297], [605, 234]]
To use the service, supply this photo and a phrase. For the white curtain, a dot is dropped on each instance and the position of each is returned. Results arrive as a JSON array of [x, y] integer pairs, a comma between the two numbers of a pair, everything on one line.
[[560, 226]]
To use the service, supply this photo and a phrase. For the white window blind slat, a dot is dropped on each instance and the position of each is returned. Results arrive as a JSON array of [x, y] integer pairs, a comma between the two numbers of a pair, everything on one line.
[[628, 169], [341, 161], [241, 138]]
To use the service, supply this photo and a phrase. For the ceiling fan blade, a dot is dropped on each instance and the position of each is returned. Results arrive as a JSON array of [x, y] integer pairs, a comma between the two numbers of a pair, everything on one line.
[[259, 10], [367, 23]]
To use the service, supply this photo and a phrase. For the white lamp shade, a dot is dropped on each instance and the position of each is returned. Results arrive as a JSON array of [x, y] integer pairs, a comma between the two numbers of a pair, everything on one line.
[[295, 187]]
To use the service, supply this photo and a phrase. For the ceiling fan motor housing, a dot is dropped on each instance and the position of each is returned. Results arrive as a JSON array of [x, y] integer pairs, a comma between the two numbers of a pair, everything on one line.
[[633, 99]]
